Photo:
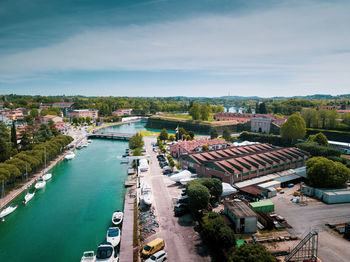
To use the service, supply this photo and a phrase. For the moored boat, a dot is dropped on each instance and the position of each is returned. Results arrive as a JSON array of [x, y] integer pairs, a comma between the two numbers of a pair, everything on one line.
[[47, 176], [146, 192], [40, 184], [70, 155], [28, 197], [117, 217], [8, 210], [105, 252], [88, 256], [113, 236]]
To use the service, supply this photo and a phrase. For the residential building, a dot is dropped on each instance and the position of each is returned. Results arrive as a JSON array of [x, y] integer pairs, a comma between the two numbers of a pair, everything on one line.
[[84, 113], [243, 217], [65, 107], [235, 164], [186, 147], [46, 119], [329, 107], [261, 125], [122, 112]]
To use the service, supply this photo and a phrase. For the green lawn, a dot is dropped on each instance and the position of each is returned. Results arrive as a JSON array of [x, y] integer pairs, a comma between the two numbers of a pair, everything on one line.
[[149, 133], [188, 117]]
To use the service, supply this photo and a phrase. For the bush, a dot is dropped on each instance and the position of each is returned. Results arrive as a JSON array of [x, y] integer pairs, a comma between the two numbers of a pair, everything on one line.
[[251, 253], [214, 185], [262, 138], [316, 150], [198, 197]]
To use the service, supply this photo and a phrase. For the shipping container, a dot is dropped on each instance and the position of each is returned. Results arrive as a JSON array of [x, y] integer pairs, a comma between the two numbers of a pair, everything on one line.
[[263, 206]]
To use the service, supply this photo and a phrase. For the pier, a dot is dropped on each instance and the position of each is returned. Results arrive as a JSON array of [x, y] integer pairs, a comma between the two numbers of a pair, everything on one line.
[[110, 135]]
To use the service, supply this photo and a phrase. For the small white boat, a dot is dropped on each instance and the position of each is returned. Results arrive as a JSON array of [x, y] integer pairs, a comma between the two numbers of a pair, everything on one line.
[[8, 210], [117, 217], [105, 252], [113, 236], [28, 197], [146, 192], [181, 175], [47, 176], [70, 155], [89, 141], [40, 184], [124, 160], [79, 146], [88, 256], [86, 144]]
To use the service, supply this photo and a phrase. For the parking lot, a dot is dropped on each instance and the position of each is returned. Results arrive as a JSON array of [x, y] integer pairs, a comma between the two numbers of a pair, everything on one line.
[[182, 243], [313, 215]]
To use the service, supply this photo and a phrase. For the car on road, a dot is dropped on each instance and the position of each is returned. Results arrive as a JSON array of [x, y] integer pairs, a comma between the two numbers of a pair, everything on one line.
[[167, 172], [160, 256], [180, 211]]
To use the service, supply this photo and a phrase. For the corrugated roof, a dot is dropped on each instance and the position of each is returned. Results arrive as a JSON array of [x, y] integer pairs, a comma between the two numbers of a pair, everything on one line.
[[251, 190], [239, 209], [287, 178]]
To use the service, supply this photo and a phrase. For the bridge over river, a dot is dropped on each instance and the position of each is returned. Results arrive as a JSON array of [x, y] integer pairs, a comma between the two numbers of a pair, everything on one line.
[[111, 135]]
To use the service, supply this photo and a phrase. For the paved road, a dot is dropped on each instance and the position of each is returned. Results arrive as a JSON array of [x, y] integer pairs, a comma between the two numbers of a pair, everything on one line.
[[182, 242], [314, 216]]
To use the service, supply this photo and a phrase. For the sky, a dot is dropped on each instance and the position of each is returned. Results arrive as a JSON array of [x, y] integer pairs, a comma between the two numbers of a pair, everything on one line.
[[175, 47]]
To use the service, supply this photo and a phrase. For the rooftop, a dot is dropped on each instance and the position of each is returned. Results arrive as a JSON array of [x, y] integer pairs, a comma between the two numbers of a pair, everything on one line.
[[239, 209], [262, 203]]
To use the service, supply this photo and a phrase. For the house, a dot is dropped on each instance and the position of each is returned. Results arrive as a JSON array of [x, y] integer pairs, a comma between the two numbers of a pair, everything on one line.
[[65, 107], [238, 163], [92, 113], [46, 119], [61, 126], [186, 147], [243, 217], [122, 112]]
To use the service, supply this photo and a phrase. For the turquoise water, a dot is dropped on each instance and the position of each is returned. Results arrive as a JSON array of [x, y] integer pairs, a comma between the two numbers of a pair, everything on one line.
[[128, 128], [73, 212]]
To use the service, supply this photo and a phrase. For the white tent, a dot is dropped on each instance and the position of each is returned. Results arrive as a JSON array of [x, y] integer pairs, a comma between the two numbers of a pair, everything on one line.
[[227, 189], [183, 174]]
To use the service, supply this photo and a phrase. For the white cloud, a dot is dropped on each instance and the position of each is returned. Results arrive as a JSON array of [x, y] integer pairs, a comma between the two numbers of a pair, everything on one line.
[[296, 42]]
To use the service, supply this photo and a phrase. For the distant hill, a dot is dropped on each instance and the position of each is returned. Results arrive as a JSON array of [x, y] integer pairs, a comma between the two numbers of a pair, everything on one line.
[[309, 97]]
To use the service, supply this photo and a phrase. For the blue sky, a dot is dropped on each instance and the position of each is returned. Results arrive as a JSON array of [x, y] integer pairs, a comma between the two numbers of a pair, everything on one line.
[[170, 48]]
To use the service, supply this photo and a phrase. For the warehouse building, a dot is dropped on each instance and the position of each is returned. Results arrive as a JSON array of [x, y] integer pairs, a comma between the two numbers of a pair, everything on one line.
[[243, 218], [235, 164]]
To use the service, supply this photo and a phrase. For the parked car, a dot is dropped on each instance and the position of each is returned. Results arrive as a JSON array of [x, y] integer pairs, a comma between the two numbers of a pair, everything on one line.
[[180, 211], [167, 172], [160, 256], [152, 247]]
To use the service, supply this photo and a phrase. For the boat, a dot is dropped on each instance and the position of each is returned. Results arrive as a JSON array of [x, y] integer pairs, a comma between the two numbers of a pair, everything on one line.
[[181, 175], [70, 155], [47, 176], [79, 146], [117, 217], [8, 210], [40, 184], [146, 192], [105, 252], [113, 236], [88, 256], [89, 141], [85, 144], [28, 197], [124, 160]]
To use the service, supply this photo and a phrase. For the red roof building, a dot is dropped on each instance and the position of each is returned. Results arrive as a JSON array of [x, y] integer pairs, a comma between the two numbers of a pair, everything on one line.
[[186, 147], [235, 164]]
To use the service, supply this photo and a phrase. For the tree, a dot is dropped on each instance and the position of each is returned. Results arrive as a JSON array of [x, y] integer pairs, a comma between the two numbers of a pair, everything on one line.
[[325, 173], [198, 197], [191, 134], [14, 135], [205, 148], [226, 134], [181, 132], [346, 119], [262, 108], [34, 113], [219, 109], [195, 111], [75, 120], [44, 133], [163, 135], [4, 150], [213, 133], [136, 141], [53, 128], [293, 128], [251, 253], [205, 111], [4, 132], [137, 152], [319, 138], [171, 138], [88, 120], [26, 140]]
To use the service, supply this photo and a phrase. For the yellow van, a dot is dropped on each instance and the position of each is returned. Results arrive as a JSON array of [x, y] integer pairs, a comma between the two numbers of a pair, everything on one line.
[[152, 247]]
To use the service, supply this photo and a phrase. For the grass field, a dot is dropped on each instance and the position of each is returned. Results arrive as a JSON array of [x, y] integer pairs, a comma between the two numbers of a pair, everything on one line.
[[149, 133], [188, 117]]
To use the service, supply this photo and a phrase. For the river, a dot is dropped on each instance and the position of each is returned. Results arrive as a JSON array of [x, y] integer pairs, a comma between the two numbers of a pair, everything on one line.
[[73, 212]]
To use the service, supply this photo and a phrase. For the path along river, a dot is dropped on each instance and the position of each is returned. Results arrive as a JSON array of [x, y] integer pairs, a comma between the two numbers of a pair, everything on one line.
[[73, 212]]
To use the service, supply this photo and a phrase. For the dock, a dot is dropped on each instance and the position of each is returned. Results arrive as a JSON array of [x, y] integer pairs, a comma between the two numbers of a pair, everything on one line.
[[111, 135]]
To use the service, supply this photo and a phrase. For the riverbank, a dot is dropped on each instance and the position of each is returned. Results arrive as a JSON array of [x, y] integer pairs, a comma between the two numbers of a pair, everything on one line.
[[14, 193]]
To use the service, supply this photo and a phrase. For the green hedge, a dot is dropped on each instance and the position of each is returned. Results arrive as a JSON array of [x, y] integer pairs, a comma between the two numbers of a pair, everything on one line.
[[316, 150], [262, 138]]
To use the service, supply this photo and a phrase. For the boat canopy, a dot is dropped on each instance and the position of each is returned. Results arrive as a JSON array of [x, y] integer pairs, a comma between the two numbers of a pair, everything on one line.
[[183, 174], [113, 232]]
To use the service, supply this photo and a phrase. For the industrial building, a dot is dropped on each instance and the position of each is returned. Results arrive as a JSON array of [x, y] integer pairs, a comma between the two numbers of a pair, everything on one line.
[[236, 164], [243, 218], [329, 196]]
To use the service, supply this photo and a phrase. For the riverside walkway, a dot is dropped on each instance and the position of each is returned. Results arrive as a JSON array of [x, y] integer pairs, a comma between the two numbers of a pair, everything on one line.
[[111, 135], [126, 243]]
